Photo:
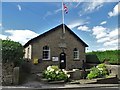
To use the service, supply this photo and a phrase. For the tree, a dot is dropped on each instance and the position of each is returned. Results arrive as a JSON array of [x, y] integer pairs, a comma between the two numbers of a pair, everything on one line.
[[12, 52]]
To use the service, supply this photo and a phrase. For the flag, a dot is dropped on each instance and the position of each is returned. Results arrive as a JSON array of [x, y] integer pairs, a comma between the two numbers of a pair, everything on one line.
[[65, 8]]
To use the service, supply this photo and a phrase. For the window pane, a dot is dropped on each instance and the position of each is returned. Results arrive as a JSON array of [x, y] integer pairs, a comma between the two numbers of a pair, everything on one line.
[[76, 53], [46, 52], [45, 48]]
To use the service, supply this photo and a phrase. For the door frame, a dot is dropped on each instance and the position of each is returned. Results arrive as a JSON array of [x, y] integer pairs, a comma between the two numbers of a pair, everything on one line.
[[62, 62]]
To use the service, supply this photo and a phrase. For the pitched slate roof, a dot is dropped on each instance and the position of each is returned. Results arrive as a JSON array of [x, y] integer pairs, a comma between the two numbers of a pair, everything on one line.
[[53, 29]]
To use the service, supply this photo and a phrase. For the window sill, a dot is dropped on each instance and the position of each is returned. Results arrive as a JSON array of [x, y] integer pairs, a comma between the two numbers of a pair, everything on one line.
[[46, 59], [76, 59]]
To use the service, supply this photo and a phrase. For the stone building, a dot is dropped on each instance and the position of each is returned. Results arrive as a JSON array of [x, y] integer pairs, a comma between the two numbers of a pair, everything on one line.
[[56, 47]]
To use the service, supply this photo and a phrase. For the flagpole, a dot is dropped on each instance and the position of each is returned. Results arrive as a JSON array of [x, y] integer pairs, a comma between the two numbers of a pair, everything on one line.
[[63, 17], [63, 30]]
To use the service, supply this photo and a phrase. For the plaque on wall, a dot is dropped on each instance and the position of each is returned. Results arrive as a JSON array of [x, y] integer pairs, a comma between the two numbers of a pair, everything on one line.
[[62, 45], [54, 58]]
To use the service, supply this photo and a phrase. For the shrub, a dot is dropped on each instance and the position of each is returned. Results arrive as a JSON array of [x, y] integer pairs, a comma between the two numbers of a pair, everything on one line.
[[93, 73], [26, 65], [12, 52], [53, 73], [98, 71], [103, 70], [92, 58], [25, 70]]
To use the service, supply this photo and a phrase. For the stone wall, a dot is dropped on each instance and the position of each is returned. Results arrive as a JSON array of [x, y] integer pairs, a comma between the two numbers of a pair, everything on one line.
[[0, 74], [114, 70], [10, 74], [77, 74], [111, 80], [16, 74], [7, 73], [53, 40]]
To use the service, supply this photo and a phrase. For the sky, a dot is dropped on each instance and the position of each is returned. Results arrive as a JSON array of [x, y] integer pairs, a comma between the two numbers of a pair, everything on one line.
[[96, 23]]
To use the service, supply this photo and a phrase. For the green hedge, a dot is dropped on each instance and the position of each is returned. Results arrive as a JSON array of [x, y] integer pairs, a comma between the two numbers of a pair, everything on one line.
[[110, 55], [92, 58]]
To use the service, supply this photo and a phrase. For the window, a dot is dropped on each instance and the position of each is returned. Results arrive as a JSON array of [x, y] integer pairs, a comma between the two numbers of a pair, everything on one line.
[[76, 53], [46, 53], [28, 52]]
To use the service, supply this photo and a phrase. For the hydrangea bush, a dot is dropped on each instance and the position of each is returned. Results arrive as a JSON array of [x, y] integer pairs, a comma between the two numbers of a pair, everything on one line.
[[98, 72], [53, 73]]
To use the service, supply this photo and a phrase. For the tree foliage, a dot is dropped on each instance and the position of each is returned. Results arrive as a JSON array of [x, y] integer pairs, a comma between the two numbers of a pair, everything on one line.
[[112, 56], [12, 51]]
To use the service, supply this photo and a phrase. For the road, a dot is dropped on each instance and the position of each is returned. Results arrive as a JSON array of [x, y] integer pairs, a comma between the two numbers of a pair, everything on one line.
[[103, 88], [65, 87]]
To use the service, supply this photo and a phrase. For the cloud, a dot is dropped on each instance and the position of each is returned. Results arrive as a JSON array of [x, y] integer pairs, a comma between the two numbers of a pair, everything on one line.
[[110, 40], [99, 31], [77, 4], [48, 13], [113, 38], [58, 10], [113, 33], [108, 48], [83, 28], [77, 23], [115, 11], [19, 7], [101, 35], [104, 22], [102, 40], [21, 36], [93, 5], [0, 24], [1, 27], [3, 37], [73, 25]]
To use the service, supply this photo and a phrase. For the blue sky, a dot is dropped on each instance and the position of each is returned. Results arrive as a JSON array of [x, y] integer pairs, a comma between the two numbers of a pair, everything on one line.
[[96, 23]]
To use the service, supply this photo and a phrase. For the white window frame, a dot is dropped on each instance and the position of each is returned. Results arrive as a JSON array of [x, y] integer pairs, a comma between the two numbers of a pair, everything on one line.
[[76, 55], [28, 52], [48, 53]]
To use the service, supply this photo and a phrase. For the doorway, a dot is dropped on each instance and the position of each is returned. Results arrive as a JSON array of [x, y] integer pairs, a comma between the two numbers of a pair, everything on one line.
[[62, 60]]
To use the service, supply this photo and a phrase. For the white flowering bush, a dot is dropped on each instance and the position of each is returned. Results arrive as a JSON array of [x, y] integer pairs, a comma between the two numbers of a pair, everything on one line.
[[53, 73], [98, 71]]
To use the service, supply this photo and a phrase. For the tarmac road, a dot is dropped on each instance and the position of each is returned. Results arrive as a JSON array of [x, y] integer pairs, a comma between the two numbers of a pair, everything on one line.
[[100, 88], [66, 87]]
